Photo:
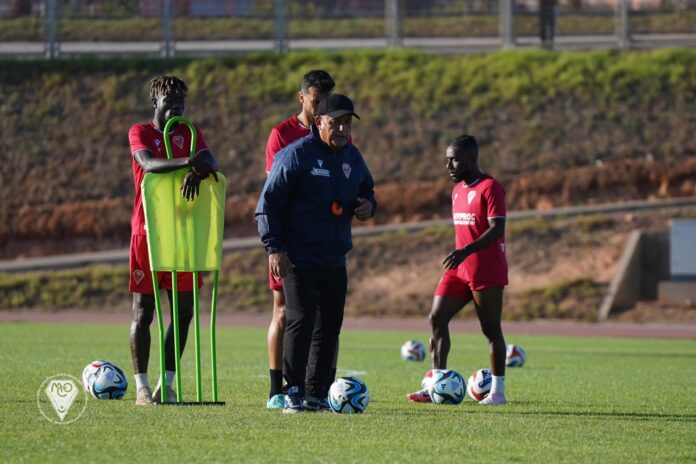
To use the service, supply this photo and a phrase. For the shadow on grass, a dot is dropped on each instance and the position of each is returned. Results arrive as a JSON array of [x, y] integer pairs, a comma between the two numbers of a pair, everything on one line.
[[436, 410], [614, 415], [628, 354]]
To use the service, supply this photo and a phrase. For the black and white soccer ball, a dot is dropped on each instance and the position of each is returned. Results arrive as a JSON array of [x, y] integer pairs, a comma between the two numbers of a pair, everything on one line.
[[413, 350], [348, 395], [445, 386], [108, 383], [515, 356]]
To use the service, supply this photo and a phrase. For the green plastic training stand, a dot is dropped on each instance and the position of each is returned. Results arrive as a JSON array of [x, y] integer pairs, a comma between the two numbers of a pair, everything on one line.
[[184, 236]]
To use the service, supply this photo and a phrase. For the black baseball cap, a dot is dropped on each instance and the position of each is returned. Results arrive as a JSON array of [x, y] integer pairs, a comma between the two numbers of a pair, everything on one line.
[[336, 105]]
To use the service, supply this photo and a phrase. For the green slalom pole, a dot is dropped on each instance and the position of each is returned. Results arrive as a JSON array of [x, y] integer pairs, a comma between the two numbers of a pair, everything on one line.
[[197, 338], [168, 144], [213, 343], [160, 326], [175, 324]]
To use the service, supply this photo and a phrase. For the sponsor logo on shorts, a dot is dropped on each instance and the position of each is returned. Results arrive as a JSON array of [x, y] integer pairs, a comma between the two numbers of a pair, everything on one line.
[[464, 219], [320, 163], [138, 276]]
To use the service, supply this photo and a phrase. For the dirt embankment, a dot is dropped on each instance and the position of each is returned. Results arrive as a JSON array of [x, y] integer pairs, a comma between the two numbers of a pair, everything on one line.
[[557, 129]]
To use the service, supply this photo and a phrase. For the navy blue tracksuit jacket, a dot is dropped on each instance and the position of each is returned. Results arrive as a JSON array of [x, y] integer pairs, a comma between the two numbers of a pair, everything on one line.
[[294, 209]]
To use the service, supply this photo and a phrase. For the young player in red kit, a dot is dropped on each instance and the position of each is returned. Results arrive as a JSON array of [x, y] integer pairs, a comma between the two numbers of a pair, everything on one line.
[[477, 269], [316, 86], [168, 98]]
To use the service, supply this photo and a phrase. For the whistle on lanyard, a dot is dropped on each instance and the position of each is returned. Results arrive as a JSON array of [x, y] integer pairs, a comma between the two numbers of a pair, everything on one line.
[[336, 208]]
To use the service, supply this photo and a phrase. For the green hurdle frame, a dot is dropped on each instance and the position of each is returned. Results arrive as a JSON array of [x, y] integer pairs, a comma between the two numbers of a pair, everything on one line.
[[175, 299]]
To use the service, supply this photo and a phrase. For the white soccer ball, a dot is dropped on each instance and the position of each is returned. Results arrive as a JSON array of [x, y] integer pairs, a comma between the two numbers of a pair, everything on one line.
[[413, 350], [108, 383], [429, 379], [348, 395], [515, 356], [447, 387], [479, 384], [89, 371]]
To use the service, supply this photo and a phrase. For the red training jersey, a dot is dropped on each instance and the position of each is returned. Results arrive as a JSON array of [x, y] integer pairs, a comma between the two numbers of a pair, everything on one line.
[[148, 137], [472, 206], [281, 136]]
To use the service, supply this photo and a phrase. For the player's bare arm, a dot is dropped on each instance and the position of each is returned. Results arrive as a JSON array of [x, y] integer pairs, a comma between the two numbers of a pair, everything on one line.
[[495, 231], [202, 165]]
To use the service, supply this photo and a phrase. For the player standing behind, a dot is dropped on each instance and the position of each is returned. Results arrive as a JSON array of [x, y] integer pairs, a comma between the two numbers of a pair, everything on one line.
[[477, 269], [168, 97], [316, 86]]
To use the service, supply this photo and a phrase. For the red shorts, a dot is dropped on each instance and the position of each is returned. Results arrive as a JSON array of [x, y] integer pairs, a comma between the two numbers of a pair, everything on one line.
[[141, 277], [451, 284], [273, 283]]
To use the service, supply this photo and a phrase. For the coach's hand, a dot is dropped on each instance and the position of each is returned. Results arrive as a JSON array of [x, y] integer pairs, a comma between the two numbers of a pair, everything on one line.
[[455, 258], [364, 209], [190, 186], [280, 264]]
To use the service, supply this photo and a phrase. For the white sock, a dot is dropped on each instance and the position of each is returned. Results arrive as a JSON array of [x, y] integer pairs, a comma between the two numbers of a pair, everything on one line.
[[498, 385], [141, 380], [169, 377]]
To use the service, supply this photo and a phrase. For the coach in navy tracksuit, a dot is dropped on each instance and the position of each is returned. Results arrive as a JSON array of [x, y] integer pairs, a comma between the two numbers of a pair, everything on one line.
[[316, 186]]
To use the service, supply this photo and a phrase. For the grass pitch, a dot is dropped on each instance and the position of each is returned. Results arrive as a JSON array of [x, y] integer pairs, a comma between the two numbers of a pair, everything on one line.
[[576, 400]]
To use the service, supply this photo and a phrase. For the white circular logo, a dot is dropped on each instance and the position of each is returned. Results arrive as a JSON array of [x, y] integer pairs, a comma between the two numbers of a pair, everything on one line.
[[60, 399]]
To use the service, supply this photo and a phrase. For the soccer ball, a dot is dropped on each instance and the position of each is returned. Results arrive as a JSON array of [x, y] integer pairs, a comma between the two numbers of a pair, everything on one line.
[[413, 350], [89, 371], [429, 379], [515, 356], [108, 383], [447, 386], [479, 385], [348, 395]]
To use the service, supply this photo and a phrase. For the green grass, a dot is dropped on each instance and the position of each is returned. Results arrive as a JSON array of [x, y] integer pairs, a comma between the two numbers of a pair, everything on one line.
[[576, 400]]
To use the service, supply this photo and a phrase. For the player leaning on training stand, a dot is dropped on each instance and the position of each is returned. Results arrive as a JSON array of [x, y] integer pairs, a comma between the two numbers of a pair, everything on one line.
[[304, 215], [316, 86], [168, 97], [477, 269]]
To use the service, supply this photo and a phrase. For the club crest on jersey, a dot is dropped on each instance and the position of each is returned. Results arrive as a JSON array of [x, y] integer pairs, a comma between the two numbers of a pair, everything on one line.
[[471, 196], [178, 141], [346, 170], [138, 276]]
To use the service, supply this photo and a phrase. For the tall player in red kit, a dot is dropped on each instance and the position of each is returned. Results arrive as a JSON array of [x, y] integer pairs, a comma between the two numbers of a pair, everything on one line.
[[168, 98], [316, 86], [477, 269]]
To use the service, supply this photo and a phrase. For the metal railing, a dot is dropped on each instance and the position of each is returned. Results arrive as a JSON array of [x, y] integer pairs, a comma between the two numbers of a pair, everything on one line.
[[169, 27]]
